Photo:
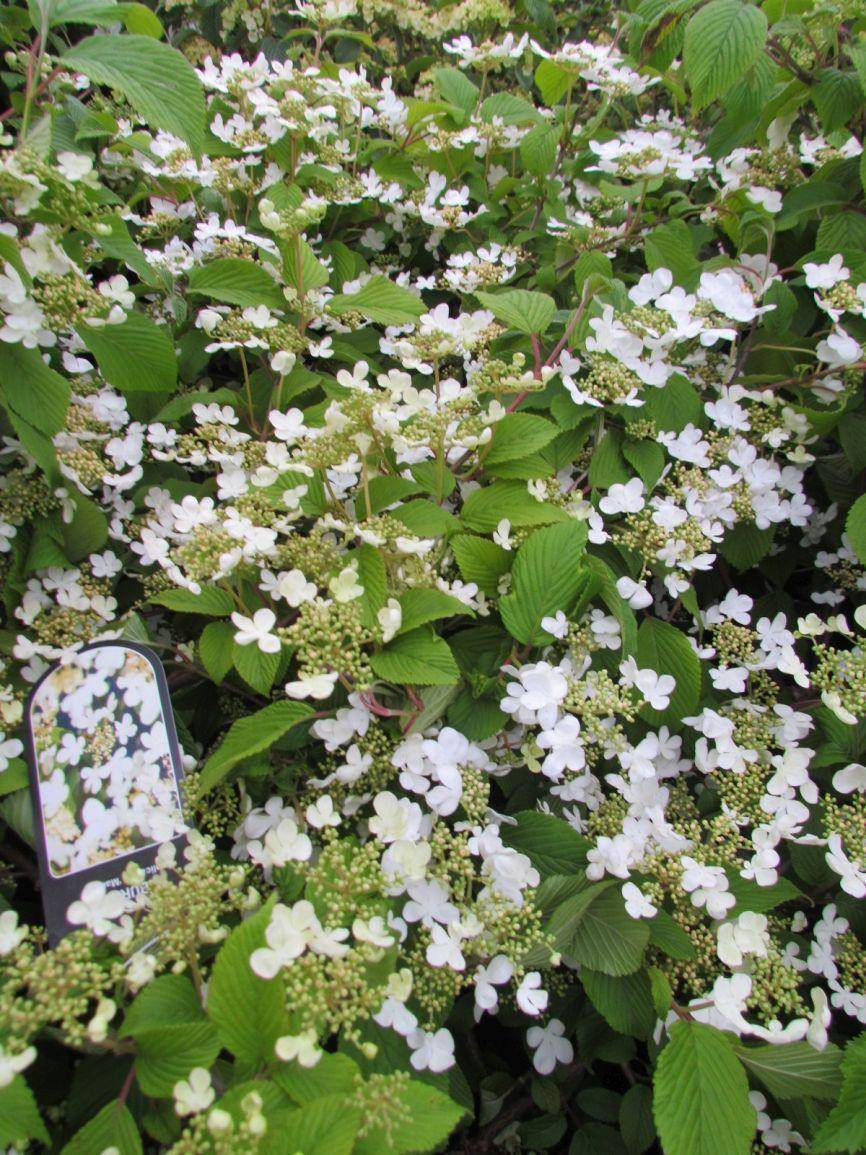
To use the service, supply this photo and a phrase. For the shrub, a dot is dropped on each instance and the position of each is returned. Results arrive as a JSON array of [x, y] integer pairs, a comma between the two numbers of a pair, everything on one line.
[[466, 402]]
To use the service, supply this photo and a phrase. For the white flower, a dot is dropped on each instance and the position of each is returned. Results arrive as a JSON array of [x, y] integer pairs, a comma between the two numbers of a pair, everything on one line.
[[502, 534], [13, 1064], [557, 626], [432, 1050], [11, 934], [550, 1046], [257, 629], [530, 995], [313, 686], [194, 1093], [746, 935], [390, 618], [828, 275], [303, 1048], [345, 586], [656, 689], [321, 813], [635, 593], [637, 904], [852, 778], [626, 498], [97, 908]]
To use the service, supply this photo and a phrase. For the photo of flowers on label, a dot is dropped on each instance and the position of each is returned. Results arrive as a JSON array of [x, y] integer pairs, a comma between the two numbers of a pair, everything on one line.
[[106, 782]]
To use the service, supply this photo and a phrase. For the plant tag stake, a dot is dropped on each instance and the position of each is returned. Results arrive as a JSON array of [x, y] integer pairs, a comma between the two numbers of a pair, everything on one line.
[[105, 772]]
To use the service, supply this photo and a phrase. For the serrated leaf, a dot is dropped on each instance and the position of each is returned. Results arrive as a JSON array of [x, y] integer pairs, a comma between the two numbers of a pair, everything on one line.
[[456, 87], [237, 282], [795, 1070], [216, 648], [382, 301], [546, 577], [625, 1002], [550, 843], [607, 939], [855, 528], [665, 649], [418, 658], [844, 1129], [420, 606], [164, 1002], [249, 1012], [32, 390], [257, 668], [485, 508], [156, 79], [165, 1055], [480, 561], [135, 357], [520, 309], [538, 149], [325, 1126], [249, 736], [429, 1117], [518, 435], [113, 1128], [701, 1103], [212, 602], [723, 39], [20, 1120], [334, 1074]]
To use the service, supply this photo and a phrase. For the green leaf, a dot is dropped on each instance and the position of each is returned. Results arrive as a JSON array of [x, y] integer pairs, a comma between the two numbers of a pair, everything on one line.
[[670, 247], [508, 108], [855, 528], [607, 939], [420, 606], [844, 1129], [480, 561], [87, 532], [332, 1075], [20, 1120], [257, 668], [665, 649], [135, 357], [625, 1002], [795, 1070], [552, 82], [745, 545], [216, 649], [456, 87], [549, 842], [546, 577], [113, 1127], [419, 658], [31, 390], [165, 1002], [668, 936], [428, 1118], [249, 736], [165, 1055], [518, 435], [636, 1119], [382, 301], [249, 1012], [212, 602], [156, 79], [701, 1101], [723, 39], [538, 149], [837, 97], [647, 457], [520, 309], [326, 1126], [237, 282], [485, 508], [750, 896]]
